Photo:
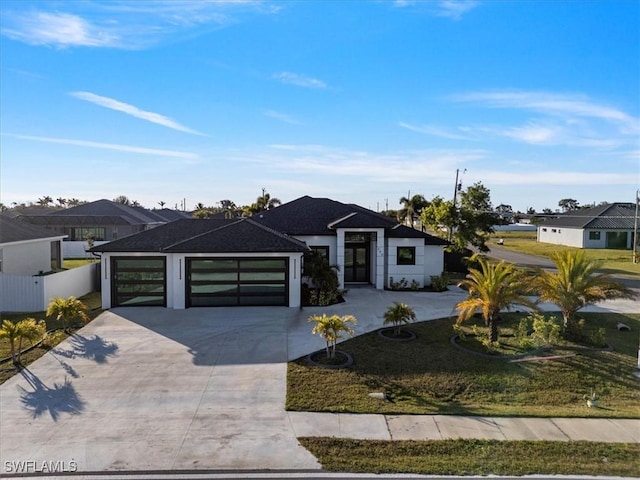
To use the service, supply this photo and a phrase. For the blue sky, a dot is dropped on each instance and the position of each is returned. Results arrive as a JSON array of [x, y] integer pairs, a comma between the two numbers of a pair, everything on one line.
[[358, 101]]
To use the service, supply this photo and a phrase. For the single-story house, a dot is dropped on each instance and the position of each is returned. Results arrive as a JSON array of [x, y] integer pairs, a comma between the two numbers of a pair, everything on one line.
[[28, 249], [259, 260], [605, 226], [102, 221]]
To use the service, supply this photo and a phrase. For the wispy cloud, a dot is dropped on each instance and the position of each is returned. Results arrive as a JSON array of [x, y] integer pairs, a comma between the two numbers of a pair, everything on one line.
[[121, 24], [283, 117], [563, 105], [453, 9], [299, 80], [119, 106], [458, 133], [107, 146]]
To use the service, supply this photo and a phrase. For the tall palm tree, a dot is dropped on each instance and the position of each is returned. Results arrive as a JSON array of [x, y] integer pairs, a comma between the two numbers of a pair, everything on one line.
[[492, 287], [398, 314], [411, 208], [575, 285], [67, 309]]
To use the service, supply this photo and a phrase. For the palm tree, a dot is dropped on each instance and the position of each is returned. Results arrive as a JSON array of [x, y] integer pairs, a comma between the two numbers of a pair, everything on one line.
[[67, 309], [398, 314], [331, 329], [27, 329], [575, 285], [492, 287], [411, 209], [61, 201], [45, 201], [262, 203], [162, 203]]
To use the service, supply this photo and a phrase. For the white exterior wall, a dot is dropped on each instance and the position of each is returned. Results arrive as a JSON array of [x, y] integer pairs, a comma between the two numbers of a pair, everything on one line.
[[602, 243], [571, 237], [322, 241], [77, 249], [27, 258], [408, 272], [433, 262]]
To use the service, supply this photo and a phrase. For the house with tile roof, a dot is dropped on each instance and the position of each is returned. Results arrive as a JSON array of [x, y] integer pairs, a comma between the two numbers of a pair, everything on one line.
[[28, 249], [260, 260], [605, 226], [102, 220]]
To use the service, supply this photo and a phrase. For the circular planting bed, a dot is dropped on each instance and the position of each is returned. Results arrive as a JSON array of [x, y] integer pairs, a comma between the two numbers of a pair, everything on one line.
[[390, 334], [341, 360]]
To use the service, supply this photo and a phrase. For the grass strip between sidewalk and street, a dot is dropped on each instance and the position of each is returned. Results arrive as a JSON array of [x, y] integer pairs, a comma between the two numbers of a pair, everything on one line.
[[476, 457]]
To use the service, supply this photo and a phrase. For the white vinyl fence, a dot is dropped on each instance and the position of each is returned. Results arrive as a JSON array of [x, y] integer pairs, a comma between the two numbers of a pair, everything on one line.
[[20, 293]]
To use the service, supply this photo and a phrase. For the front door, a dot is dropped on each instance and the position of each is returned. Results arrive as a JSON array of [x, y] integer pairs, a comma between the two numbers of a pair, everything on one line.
[[356, 263]]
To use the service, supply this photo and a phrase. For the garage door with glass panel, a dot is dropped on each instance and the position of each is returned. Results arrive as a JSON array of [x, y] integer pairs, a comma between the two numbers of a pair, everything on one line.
[[138, 281], [237, 281]]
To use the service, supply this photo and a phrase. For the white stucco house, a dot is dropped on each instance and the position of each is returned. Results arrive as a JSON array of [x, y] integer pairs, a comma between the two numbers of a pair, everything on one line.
[[260, 260], [605, 226], [28, 249]]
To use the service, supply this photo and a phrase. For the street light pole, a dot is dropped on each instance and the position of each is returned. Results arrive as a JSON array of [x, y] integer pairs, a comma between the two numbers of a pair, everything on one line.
[[635, 234]]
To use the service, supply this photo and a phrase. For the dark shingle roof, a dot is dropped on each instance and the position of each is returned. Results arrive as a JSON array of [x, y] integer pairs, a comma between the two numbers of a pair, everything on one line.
[[12, 230], [107, 208], [321, 216], [205, 236], [615, 216]]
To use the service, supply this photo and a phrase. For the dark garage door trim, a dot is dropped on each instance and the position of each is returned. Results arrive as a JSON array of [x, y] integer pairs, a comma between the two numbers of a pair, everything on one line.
[[138, 281], [237, 281]]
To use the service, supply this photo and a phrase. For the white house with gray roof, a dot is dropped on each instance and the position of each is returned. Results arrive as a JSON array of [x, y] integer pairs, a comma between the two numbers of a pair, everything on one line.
[[605, 226], [260, 260]]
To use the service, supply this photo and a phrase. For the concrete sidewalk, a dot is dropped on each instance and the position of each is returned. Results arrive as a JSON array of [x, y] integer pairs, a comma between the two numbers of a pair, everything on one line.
[[440, 427]]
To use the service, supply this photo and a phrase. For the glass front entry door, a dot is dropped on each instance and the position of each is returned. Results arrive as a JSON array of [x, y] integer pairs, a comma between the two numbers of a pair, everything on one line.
[[356, 263]]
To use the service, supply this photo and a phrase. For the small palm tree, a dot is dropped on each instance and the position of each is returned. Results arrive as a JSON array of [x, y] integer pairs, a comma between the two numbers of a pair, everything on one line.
[[27, 329], [575, 285], [492, 288], [67, 309], [331, 329], [397, 315]]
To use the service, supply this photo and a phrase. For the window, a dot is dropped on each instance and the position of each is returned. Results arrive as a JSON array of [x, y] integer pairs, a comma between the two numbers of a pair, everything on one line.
[[83, 233], [544, 229], [553, 230], [406, 256], [594, 235]]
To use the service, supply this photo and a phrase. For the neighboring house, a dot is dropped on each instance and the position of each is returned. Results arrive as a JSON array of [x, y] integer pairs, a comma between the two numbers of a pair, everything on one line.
[[102, 221], [605, 226], [259, 260], [28, 249]]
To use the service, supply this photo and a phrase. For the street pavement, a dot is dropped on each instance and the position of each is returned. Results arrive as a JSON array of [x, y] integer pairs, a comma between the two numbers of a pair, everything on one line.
[[151, 389]]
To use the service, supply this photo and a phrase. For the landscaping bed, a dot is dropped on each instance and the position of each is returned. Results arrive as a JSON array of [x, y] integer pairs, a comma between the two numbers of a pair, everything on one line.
[[430, 376]]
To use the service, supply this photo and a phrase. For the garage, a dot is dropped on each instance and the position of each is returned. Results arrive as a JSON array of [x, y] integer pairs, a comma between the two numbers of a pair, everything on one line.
[[138, 281], [239, 281]]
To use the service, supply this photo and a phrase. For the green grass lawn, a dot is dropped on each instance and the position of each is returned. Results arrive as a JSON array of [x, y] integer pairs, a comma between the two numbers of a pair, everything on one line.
[[476, 457], [70, 263], [430, 376], [91, 300], [613, 261]]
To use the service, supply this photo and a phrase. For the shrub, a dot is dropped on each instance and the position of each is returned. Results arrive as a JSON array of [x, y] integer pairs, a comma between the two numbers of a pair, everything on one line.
[[401, 285], [545, 331], [439, 283]]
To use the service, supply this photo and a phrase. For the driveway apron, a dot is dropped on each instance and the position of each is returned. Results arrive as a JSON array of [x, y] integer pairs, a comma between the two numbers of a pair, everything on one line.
[[158, 389]]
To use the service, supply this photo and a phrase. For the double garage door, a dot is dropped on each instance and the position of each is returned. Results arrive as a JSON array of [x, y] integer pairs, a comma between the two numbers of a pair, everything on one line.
[[209, 281]]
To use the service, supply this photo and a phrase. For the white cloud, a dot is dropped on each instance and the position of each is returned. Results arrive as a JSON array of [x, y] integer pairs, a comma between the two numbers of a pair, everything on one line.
[[283, 117], [565, 106], [299, 80], [459, 133], [107, 146], [113, 104], [454, 9], [59, 30], [121, 24]]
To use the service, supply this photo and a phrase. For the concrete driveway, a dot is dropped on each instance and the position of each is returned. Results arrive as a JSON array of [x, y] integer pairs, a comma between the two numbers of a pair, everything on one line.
[[157, 389]]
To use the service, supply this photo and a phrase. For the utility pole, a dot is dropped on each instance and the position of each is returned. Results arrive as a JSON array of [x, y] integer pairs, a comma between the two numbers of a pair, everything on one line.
[[457, 187], [635, 238]]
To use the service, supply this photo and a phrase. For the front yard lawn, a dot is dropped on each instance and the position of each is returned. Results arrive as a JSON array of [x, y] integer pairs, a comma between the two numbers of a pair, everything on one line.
[[430, 376], [476, 457]]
